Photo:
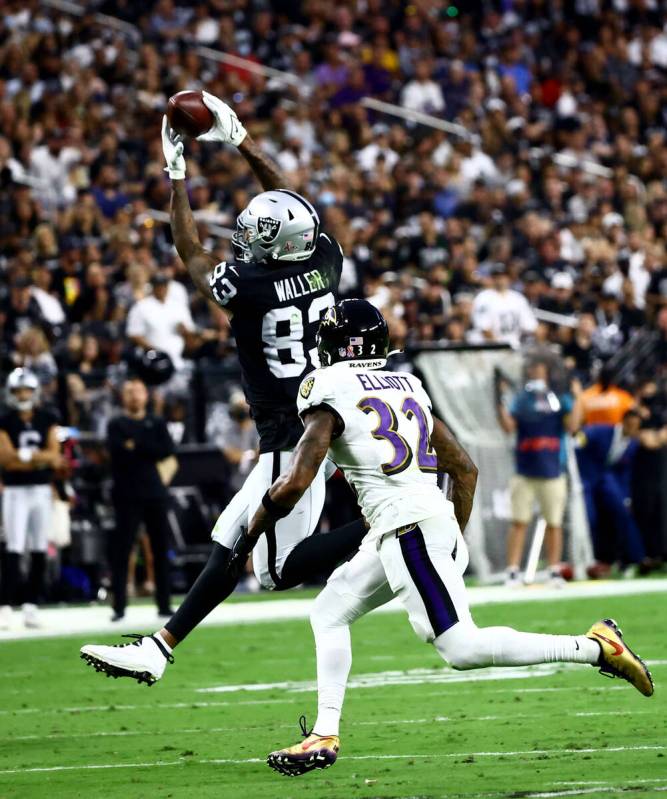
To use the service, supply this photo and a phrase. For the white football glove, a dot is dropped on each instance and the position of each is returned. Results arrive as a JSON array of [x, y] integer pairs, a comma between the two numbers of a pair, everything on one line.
[[172, 147], [226, 128]]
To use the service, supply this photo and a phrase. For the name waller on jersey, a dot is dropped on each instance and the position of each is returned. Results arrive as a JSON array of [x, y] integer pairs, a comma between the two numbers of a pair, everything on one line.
[[290, 288]]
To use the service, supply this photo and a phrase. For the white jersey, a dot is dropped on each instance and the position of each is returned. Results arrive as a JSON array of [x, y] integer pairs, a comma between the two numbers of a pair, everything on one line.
[[506, 315], [384, 448]]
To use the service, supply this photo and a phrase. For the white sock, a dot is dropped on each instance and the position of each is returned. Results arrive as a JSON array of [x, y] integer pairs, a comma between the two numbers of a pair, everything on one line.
[[163, 642], [334, 659], [466, 646]]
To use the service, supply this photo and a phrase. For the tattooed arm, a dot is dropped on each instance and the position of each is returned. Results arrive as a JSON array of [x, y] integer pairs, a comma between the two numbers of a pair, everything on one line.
[[198, 261], [288, 489], [456, 462], [266, 170]]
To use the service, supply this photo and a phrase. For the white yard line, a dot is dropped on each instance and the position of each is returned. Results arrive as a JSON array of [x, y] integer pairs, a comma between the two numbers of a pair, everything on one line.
[[96, 620], [447, 755], [381, 679]]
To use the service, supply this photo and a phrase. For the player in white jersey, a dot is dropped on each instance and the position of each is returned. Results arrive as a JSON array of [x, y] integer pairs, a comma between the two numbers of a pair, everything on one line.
[[379, 429]]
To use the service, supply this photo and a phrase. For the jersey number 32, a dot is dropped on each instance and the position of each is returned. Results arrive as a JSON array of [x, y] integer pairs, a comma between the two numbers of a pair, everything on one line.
[[387, 430]]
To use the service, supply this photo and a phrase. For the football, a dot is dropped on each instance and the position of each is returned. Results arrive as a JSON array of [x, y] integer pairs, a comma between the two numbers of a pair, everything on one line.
[[188, 115]]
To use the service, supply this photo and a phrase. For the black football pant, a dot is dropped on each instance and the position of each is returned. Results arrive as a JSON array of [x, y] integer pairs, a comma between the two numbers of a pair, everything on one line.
[[129, 516], [315, 556], [12, 589]]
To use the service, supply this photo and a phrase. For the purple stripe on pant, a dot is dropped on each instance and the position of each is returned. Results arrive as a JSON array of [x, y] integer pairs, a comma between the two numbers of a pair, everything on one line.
[[437, 601]]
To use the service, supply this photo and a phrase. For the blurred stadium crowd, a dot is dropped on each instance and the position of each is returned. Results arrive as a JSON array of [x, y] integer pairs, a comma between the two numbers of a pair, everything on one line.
[[557, 189]]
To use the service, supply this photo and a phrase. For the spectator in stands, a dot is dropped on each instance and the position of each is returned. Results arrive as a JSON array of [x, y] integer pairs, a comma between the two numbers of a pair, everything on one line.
[[604, 402], [155, 323], [500, 313], [233, 431], [19, 312], [422, 93], [540, 418], [81, 192], [138, 442], [606, 455]]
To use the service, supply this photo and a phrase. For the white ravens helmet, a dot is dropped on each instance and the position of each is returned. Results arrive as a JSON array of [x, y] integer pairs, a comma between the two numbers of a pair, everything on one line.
[[22, 378], [276, 225]]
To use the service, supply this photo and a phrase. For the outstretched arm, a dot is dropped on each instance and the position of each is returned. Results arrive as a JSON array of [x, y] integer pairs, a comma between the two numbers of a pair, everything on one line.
[[228, 129], [454, 460], [266, 170], [198, 261], [288, 489]]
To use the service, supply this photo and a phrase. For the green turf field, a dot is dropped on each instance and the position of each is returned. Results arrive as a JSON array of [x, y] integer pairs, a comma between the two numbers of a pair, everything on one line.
[[66, 731]]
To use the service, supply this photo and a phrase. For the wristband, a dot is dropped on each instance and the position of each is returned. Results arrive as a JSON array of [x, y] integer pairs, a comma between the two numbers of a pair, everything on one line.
[[274, 510], [25, 454]]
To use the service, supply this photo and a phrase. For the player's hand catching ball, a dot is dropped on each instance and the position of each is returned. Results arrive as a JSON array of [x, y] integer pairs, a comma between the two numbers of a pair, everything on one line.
[[226, 128], [172, 147]]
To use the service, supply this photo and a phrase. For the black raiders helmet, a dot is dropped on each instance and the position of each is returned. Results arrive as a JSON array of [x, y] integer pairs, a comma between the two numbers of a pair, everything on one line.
[[353, 330]]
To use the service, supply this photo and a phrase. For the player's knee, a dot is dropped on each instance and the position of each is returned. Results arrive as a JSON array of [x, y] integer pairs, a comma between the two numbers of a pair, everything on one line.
[[459, 647], [325, 612]]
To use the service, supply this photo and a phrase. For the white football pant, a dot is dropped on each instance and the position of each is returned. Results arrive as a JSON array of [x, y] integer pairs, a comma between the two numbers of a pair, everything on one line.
[[26, 517], [419, 568], [271, 551]]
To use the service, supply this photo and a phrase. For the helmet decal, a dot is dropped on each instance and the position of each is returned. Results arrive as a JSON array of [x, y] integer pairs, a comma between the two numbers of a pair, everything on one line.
[[268, 228]]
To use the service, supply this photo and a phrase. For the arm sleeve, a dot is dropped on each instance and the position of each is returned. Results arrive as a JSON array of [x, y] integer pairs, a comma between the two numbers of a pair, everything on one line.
[[317, 391], [225, 283], [334, 253]]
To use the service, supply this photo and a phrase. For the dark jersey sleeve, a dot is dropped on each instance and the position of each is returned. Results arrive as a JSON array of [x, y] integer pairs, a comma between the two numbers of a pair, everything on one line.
[[333, 253], [225, 283]]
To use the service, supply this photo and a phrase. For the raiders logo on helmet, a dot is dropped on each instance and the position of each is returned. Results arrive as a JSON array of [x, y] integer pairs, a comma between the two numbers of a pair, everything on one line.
[[268, 228], [307, 387]]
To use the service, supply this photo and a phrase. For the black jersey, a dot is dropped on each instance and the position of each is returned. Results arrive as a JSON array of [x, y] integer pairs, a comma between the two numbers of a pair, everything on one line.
[[276, 312], [32, 435]]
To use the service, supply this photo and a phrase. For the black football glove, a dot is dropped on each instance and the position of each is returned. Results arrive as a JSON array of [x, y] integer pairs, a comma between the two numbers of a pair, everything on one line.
[[243, 546]]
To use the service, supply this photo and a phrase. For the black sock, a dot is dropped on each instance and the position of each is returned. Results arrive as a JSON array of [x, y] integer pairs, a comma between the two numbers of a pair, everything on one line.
[[215, 583], [35, 587], [11, 578], [318, 555]]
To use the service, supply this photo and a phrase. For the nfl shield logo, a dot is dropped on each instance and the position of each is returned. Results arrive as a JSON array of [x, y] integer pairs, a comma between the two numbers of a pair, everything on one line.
[[268, 228]]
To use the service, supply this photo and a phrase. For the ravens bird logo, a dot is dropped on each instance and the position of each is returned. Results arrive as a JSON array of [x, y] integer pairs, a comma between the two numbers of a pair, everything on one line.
[[307, 387]]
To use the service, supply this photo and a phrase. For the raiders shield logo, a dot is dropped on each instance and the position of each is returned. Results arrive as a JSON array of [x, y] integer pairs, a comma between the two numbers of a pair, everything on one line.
[[268, 228], [307, 387]]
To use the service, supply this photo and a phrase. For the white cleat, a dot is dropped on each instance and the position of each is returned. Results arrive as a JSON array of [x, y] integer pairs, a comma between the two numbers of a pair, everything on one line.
[[31, 616], [6, 616], [144, 660], [513, 579]]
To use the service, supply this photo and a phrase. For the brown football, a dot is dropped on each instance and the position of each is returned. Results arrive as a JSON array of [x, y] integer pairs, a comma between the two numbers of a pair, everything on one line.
[[188, 115]]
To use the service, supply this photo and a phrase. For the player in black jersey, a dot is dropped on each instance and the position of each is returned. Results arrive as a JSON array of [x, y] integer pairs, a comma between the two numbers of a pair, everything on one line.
[[29, 452], [283, 278]]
